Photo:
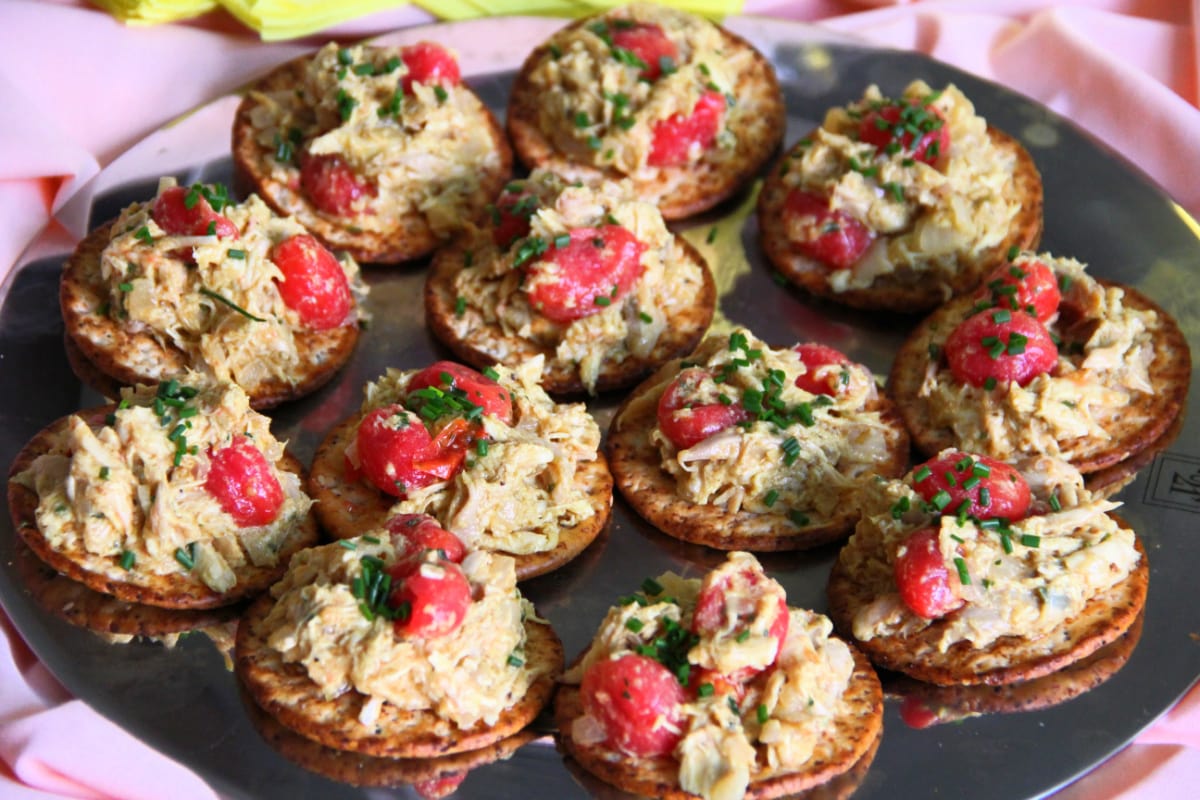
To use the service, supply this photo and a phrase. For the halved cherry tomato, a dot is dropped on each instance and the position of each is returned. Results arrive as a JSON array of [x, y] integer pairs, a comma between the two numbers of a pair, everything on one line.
[[922, 577], [332, 186], [428, 62], [513, 210], [650, 44], [592, 271], [449, 449], [997, 345], [313, 284], [390, 443], [432, 599], [829, 236], [447, 376], [1030, 286], [740, 594], [422, 532], [992, 488], [818, 355], [675, 136], [184, 211], [636, 700], [241, 480], [687, 423], [894, 127]]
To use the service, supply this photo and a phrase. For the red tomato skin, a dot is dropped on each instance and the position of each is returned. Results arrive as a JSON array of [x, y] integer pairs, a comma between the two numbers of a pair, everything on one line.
[[513, 210], [970, 360], [443, 786], [649, 43], [701, 421], [332, 186], [437, 596], [479, 388], [829, 236], [389, 452], [1010, 496], [431, 63], [922, 577], [422, 532], [916, 714], [242, 482], [1030, 286], [627, 695], [597, 264], [313, 284], [674, 136], [818, 355], [171, 214], [710, 616], [878, 127]]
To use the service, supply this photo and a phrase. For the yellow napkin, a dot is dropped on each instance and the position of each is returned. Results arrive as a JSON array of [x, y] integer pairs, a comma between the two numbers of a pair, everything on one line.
[[287, 19]]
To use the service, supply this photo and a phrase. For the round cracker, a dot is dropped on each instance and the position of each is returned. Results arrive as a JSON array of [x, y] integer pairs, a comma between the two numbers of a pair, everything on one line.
[[286, 692], [412, 237], [1010, 659], [104, 574], [651, 490], [757, 120], [854, 735], [1130, 429], [908, 289], [357, 769], [346, 508], [488, 344], [952, 703], [102, 346]]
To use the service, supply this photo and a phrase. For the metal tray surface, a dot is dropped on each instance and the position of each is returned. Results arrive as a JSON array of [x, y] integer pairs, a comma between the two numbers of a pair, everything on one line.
[[1098, 209]]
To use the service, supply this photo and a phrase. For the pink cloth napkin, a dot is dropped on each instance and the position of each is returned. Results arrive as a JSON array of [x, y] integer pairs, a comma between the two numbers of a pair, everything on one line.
[[1125, 70]]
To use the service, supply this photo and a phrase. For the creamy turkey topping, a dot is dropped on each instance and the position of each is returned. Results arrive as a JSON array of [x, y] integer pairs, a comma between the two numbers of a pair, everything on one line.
[[1103, 361], [494, 291], [786, 707], [1025, 579], [468, 676], [421, 151], [133, 491], [798, 454], [216, 299], [516, 496], [596, 109], [927, 216]]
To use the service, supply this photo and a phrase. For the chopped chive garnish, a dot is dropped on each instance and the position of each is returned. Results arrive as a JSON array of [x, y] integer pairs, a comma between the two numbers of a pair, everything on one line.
[[634, 624], [763, 714], [1055, 503], [460, 306], [204, 290], [652, 587], [770, 498], [1029, 540], [186, 556], [515, 660], [128, 559], [964, 577], [705, 690], [347, 544]]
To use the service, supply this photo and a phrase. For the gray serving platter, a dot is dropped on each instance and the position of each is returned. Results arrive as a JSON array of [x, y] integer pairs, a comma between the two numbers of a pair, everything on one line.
[[1099, 209]]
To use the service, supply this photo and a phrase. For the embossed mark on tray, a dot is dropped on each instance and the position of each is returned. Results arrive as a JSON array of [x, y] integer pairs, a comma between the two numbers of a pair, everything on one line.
[[1174, 483]]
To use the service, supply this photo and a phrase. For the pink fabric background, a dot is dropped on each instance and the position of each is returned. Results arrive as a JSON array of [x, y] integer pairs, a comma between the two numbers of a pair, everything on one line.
[[1125, 70]]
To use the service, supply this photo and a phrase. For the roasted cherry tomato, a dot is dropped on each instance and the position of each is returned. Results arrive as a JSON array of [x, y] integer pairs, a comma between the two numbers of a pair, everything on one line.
[[650, 44], [432, 600], [313, 284], [991, 488], [922, 577], [429, 63], [636, 700], [331, 185], [894, 128], [997, 345], [184, 211], [739, 594], [422, 532], [395, 452], [687, 423], [815, 356], [831, 237], [675, 136], [241, 480], [1030, 286], [514, 207], [447, 376], [592, 271]]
